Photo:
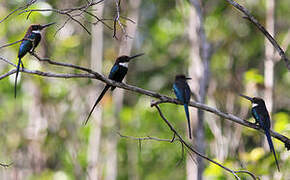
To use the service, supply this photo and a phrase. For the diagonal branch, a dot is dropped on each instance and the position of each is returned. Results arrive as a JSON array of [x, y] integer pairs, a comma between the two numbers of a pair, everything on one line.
[[252, 19], [20, 8], [247, 172], [162, 98], [231, 117], [191, 149], [67, 12], [6, 165], [10, 44], [71, 15]]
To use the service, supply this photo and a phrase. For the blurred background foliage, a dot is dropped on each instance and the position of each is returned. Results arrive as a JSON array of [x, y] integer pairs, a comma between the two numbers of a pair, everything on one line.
[[62, 104]]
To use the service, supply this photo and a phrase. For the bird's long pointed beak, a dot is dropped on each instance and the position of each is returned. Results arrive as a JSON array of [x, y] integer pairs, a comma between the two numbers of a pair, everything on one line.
[[188, 78], [137, 55], [246, 97], [46, 25]]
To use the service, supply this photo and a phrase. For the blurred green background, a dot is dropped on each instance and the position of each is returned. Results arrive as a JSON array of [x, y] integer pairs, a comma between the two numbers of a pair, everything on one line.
[[42, 132]]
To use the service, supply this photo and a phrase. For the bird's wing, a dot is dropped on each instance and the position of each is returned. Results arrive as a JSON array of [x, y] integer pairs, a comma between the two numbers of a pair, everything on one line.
[[25, 47], [264, 121], [258, 117], [36, 41], [187, 93], [262, 117], [178, 92], [113, 71]]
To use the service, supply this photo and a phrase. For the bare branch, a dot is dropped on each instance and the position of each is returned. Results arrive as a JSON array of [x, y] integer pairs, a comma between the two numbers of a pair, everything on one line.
[[252, 19], [59, 12], [99, 20], [7, 74], [117, 21], [7, 61], [62, 26], [162, 98], [285, 44], [118, 2], [10, 44], [74, 12], [247, 172], [47, 74], [148, 138], [62, 64], [187, 145], [6, 165], [20, 8], [68, 12], [230, 117]]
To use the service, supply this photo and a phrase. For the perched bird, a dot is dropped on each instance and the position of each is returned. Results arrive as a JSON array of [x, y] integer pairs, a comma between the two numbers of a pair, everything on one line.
[[29, 43], [117, 73], [182, 92], [261, 115]]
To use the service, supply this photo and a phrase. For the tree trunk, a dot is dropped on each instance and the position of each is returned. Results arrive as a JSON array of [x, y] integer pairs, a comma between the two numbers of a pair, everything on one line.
[[118, 95], [269, 62], [96, 120], [35, 131], [199, 70], [269, 55], [195, 72]]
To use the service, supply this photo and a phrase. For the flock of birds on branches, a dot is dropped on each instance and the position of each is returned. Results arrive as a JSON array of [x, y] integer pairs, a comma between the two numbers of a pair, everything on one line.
[[119, 71]]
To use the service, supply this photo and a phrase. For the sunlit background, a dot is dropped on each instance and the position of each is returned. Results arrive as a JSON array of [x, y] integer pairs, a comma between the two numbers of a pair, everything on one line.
[[42, 133]]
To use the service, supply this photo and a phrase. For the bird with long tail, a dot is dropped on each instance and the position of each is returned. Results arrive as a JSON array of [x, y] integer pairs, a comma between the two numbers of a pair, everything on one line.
[[182, 92], [117, 73], [29, 43], [262, 118]]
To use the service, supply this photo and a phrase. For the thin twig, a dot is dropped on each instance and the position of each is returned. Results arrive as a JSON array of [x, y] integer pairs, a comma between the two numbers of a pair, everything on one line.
[[68, 12], [10, 44], [6, 165], [187, 145], [247, 172], [252, 19], [20, 8], [62, 26], [148, 138], [99, 20], [117, 20], [7, 61]]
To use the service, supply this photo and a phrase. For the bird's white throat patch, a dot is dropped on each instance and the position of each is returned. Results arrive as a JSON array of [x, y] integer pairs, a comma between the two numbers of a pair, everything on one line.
[[255, 105], [124, 64], [36, 31]]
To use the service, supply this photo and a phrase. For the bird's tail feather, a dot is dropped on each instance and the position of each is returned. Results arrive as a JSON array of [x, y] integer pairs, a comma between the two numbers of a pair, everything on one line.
[[17, 72], [267, 132], [96, 103], [188, 119]]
